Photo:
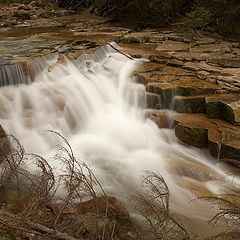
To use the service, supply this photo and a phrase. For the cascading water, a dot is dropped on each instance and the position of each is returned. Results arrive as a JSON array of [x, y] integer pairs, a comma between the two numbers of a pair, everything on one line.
[[97, 105]]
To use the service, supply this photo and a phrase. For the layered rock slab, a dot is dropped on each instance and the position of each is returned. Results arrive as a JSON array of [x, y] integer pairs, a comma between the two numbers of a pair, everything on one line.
[[225, 106], [221, 138], [184, 86]]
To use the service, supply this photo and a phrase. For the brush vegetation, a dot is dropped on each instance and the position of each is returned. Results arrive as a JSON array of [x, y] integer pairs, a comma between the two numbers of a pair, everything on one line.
[[222, 16], [32, 208]]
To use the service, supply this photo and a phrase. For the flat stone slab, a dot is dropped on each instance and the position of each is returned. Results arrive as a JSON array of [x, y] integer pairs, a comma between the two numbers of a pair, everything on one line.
[[225, 62], [222, 138]]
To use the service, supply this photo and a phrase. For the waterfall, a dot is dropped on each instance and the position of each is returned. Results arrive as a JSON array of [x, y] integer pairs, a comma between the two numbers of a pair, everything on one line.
[[25, 72], [96, 103]]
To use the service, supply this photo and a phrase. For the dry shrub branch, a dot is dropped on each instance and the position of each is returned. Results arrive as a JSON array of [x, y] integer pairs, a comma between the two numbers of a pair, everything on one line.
[[153, 207], [34, 202]]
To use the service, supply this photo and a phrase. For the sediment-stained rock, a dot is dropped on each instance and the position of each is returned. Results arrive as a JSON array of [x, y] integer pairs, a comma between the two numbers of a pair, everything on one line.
[[225, 106], [163, 118], [192, 104], [222, 138], [184, 86], [192, 135], [154, 100]]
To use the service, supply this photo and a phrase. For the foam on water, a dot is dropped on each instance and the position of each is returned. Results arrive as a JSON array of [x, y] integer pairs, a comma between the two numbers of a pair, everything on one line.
[[97, 106]]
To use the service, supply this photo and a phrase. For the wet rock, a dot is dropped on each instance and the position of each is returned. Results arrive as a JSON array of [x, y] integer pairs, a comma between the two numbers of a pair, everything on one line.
[[184, 86], [191, 135], [163, 118], [224, 142], [225, 106], [222, 138], [192, 104], [154, 100], [231, 112], [192, 129]]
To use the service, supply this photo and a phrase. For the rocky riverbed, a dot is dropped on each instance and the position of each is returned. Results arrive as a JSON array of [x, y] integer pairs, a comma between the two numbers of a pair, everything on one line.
[[192, 81], [187, 73]]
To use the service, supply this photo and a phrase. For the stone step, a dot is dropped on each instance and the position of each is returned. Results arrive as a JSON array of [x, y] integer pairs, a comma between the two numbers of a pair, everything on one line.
[[221, 138], [154, 100], [192, 104], [163, 118], [185, 86], [225, 106]]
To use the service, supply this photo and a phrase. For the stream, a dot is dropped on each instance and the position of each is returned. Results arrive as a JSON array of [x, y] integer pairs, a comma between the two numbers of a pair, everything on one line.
[[96, 103]]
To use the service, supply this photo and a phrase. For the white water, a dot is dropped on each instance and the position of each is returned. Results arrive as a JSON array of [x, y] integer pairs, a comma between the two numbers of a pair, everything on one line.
[[98, 108]]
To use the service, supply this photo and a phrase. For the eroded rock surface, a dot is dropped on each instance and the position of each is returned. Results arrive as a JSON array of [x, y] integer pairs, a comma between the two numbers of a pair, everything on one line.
[[185, 73], [222, 138]]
